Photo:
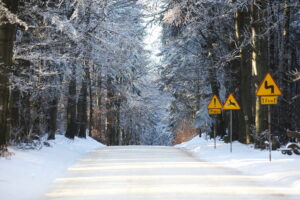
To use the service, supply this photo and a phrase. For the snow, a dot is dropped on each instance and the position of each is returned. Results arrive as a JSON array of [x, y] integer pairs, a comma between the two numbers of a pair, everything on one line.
[[154, 173], [28, 174], [282, 174]]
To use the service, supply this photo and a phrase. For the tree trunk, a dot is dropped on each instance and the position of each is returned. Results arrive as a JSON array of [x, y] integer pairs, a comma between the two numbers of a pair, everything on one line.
[[285, 66], [71, 108], [113, 106], [82, 110], [87, 82], [260, 64], [15, 113], [91, 124], [7, 35], [242, 28], [25, 118], [53, 118], [97, 120], [110, 131]]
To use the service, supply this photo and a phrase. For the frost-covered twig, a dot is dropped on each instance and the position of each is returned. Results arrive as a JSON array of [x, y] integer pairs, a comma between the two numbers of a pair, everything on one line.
[[10, 18], [294, 75]]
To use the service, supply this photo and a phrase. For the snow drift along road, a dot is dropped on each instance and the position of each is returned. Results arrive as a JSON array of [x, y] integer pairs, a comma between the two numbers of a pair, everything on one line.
[[28, 174], [142, 172]]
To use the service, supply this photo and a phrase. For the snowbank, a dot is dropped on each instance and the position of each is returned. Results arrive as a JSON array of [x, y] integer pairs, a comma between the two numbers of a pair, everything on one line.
[[282, 174], [28, 174]]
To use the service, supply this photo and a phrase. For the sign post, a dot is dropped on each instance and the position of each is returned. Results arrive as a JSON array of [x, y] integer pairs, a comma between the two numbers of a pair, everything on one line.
[[231, 104], [231, 131], [269, 91], [270, 133], [215, 134], [214, 108]]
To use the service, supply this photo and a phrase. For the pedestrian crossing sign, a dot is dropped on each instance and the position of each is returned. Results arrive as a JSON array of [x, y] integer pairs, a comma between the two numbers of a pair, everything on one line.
[[268, 87], [214, 103], [231, 103]]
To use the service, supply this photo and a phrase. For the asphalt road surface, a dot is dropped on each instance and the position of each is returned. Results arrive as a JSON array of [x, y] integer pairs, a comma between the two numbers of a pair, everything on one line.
[[156, 173]]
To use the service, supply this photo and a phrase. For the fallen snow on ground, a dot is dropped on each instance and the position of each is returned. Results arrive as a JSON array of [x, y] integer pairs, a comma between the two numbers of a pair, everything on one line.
[[282, 174], [28, 174]]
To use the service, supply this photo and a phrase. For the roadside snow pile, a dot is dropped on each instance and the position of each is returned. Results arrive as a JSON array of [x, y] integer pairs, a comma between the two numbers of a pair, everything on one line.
[[282, 174], [28, 174]]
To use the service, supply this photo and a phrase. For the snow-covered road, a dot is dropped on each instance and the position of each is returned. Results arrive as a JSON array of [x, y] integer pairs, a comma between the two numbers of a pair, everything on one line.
[[144, 172]]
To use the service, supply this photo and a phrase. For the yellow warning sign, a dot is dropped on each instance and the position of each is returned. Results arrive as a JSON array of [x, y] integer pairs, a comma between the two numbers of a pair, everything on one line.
[[268, 87], [231, 103], [266, 100], [214, 111], [214, 103]]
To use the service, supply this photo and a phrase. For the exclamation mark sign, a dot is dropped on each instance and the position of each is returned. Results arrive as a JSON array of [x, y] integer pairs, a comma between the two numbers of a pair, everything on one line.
[[215, 102]]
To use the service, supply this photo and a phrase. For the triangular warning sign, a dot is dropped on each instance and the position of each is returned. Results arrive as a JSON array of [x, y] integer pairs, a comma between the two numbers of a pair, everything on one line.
[[231, 104], [268, 87], [214, 103]]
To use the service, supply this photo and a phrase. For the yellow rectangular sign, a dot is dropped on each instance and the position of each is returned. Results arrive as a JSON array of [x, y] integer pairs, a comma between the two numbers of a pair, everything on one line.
[[214, 111], [266, 100]]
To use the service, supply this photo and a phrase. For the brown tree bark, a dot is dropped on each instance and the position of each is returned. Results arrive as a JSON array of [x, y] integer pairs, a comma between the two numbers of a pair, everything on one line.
[[285, 66], [53, 117], [91, 104], [99, 127], [71, 108], [260, 64], [82, 110], [242, 28], [7, 35], [110, 117]]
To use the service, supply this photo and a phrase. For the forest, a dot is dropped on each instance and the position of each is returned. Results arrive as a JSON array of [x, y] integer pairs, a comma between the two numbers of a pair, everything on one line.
[[223, 47], [80, 68]]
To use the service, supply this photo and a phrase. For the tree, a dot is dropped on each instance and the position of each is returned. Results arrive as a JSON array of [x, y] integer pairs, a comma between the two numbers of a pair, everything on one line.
[[233, 44], [7, 35], [242, 34]]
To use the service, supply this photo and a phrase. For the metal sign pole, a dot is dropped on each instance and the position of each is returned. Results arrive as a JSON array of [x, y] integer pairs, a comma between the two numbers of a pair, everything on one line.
[[231, 131], [270, 134], [215, 133]]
